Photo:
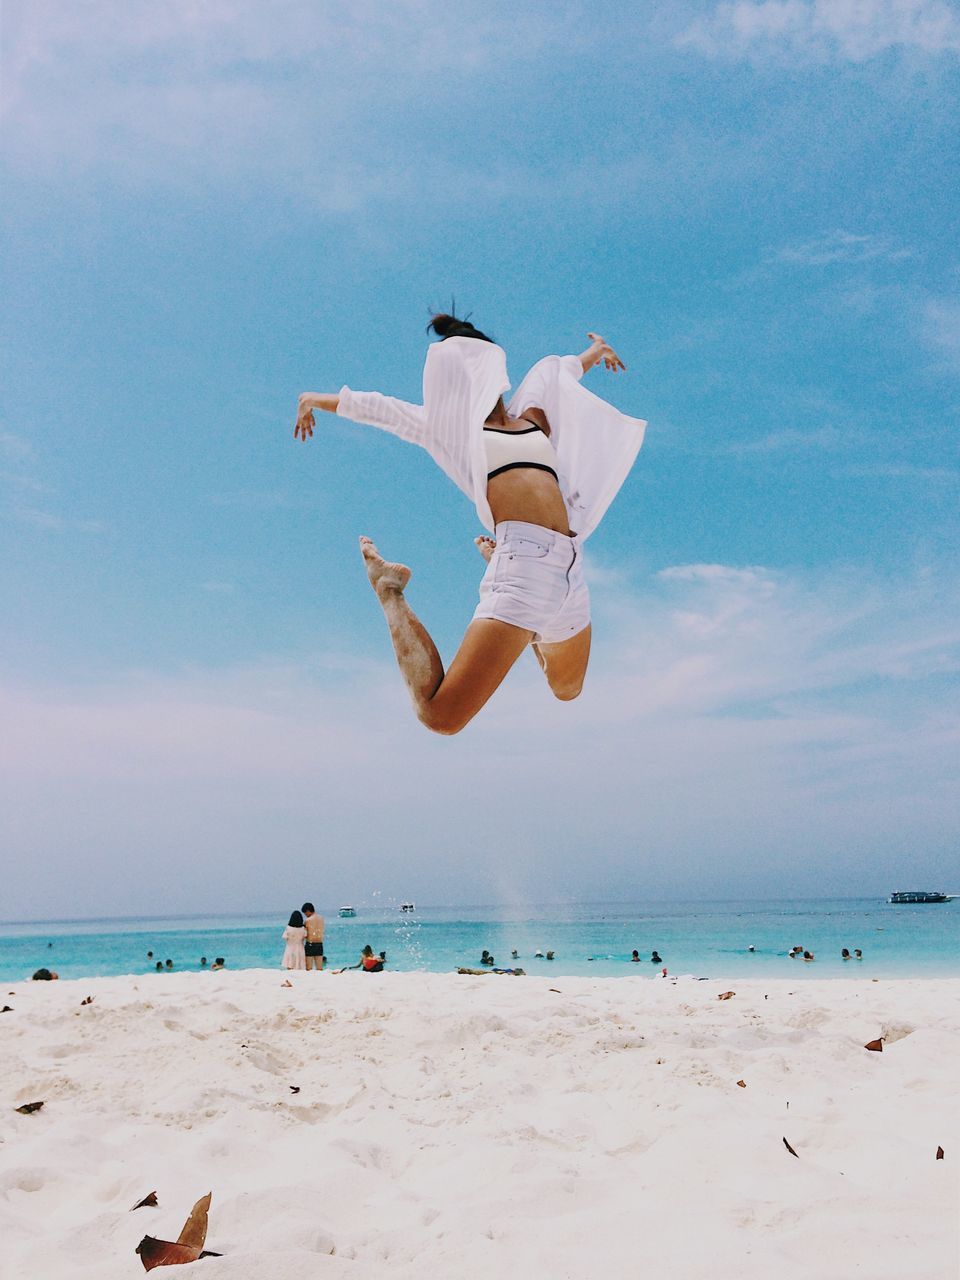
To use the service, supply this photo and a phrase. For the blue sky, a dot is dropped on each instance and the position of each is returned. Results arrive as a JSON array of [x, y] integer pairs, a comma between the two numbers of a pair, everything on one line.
[[207, 209]]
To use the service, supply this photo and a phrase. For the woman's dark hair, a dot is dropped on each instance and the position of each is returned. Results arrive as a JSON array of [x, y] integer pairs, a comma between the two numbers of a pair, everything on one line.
[[368, 950], [296, 920], [449, 326]]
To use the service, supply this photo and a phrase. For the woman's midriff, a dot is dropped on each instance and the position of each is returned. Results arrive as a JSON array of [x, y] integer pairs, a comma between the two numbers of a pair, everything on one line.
[[528, 494]]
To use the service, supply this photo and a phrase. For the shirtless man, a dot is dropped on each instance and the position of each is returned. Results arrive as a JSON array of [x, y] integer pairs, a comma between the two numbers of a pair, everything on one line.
[[313, 945]]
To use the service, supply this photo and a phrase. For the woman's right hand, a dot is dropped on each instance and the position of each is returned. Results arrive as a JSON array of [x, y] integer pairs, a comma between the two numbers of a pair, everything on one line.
[[305, 423]]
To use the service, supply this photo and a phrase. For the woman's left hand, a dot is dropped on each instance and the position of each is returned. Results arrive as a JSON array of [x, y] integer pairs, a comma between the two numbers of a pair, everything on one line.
[[603, 351]]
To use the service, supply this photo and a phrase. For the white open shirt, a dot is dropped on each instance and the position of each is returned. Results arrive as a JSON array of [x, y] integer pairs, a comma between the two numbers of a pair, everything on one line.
[[463, 378]]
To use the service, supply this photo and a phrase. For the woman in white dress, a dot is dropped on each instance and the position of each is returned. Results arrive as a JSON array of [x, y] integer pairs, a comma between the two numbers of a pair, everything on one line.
[[294, 935], [541, 472]]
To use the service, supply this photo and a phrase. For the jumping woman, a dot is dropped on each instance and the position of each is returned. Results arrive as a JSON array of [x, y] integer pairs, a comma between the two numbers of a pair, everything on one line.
[[541, 470]]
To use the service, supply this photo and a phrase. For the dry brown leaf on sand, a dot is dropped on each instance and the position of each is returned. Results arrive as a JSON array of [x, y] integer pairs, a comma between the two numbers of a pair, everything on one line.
[[29, 1108], [939, 1153], [789, 1148], [164, 1253], [88, 1000], [876, 1046], [294, 1088], [286, 983], [189, 1246], [195, 1228], [742, 1084], [148, 1202], [726, 995]]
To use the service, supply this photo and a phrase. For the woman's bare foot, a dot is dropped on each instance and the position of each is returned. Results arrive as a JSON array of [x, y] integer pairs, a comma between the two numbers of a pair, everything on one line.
[[383, 575], [486, 546]]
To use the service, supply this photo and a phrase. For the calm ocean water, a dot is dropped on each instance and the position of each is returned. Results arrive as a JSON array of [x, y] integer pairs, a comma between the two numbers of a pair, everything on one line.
[[709, 939]]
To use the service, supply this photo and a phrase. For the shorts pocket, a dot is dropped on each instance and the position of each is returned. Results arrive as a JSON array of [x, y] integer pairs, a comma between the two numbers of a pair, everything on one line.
[[525, 548]]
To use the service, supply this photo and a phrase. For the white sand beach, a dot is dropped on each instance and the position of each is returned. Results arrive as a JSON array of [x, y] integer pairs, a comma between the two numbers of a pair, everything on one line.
[[489, 1126]]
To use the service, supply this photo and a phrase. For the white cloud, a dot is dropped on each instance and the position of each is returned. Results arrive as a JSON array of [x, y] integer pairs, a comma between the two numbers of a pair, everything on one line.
[[826, 439], [55, 522], [905, 471], [841, 247], [824, 31], [15, 447], [294, 90], [941, 326], [741, 714]]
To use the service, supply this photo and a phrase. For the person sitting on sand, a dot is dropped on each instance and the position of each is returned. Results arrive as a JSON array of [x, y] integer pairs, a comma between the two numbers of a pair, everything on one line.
[[294, 935], [369, 962], [314, 925], [656, 958], [541, 473], [45, 975]]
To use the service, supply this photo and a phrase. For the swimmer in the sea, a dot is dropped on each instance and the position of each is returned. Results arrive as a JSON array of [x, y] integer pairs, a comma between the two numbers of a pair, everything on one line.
[[541, 471]]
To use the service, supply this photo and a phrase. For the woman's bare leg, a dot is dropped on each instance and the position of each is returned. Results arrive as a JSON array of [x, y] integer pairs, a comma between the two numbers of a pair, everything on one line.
[[564, 664], [444, 703]]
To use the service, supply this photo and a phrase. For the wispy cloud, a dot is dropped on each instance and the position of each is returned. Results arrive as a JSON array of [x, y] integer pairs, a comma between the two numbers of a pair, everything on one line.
[[14, 447], [227, 89], [841, 247], [255, 499], [905, 471], [941, 327], [56, 522], [815, 702], [826, 439], [824, 31]]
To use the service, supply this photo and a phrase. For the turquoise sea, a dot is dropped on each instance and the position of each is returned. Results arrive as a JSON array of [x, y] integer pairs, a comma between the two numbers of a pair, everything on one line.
[[709, 939]]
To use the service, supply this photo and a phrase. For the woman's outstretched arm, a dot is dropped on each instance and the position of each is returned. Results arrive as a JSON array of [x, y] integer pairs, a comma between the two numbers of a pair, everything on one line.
[[407, 421], [598, 350], [309, 401]]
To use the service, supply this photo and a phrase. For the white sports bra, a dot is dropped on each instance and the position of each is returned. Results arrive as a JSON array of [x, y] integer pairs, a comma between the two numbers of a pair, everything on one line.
[[529, 447]]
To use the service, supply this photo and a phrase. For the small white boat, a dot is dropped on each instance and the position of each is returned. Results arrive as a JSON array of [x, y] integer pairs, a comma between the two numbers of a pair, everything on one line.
[[408, 906], [912, 896], [346, 912]]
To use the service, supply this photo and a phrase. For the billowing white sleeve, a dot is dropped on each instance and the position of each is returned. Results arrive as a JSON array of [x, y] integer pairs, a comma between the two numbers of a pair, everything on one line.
[[407, 421], [539, 384]]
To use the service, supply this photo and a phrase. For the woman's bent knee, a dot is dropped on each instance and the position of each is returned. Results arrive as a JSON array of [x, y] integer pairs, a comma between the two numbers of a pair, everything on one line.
[[567, 692], [439, 721]]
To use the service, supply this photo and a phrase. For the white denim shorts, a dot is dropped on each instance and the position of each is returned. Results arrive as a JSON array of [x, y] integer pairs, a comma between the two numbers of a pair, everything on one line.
[[535, 580]]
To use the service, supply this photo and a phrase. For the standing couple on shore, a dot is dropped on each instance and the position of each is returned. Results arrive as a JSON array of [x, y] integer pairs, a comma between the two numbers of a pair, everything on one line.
[[304, 938]]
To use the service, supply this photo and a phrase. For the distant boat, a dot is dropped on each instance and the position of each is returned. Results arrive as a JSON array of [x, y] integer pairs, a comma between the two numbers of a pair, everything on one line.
[[346, 912], [918, 895], [408, 906]]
